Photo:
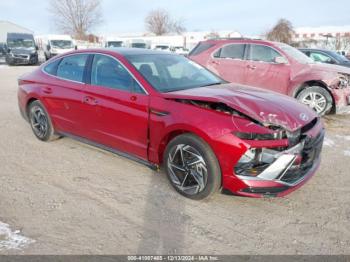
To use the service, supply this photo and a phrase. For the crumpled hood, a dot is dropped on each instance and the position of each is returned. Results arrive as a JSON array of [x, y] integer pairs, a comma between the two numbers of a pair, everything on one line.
[[269, 108], [329, 68]]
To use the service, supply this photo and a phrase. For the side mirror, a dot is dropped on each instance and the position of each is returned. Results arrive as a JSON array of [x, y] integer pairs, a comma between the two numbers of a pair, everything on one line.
[[48, 47], [76, 47], [36, 48], [281, 60]]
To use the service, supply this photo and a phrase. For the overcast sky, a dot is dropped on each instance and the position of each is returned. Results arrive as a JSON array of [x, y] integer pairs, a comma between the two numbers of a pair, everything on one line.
[[250, 17]]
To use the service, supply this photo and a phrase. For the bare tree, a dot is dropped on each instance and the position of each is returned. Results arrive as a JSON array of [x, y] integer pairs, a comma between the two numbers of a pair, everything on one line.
[[160, 22], [282, 32], [178, 27], [76, 17]]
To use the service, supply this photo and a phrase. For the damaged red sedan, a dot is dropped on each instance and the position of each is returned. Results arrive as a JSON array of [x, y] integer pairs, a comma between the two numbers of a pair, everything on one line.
[[163, 109]]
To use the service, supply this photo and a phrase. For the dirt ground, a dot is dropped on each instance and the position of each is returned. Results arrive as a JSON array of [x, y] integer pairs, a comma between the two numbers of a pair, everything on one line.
[[65, 197]]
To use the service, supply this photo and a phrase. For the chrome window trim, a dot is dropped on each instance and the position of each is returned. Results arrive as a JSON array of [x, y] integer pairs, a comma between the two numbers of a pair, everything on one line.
[[248, 45], [273, 49], [228, 58], [91, 53]]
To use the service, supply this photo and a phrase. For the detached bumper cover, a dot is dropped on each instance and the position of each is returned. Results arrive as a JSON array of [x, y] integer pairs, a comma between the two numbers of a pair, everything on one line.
[[283, 175]]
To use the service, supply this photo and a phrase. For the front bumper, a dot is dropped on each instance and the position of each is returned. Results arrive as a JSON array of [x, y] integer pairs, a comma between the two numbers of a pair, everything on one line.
[[289, 171], [342, 100], [25, 59]]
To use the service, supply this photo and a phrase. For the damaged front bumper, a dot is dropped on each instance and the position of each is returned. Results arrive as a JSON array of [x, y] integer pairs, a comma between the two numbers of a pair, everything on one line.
[[281, 171], [342, 100]]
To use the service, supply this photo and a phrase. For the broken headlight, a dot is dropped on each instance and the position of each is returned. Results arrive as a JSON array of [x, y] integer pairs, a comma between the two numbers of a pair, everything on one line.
[[343, 80], [253, 162], [256, 136]]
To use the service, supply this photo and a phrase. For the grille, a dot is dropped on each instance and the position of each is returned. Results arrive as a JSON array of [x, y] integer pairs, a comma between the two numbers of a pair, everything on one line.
[[311, 153]]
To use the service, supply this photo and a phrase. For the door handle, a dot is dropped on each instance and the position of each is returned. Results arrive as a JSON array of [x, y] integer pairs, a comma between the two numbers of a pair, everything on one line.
[[47, 90], [215, 62], [252, 67], [133, 98], [90, 100]]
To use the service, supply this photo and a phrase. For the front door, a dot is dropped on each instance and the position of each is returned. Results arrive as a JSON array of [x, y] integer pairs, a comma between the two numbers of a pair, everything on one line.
[[119, 115], [262, 70]]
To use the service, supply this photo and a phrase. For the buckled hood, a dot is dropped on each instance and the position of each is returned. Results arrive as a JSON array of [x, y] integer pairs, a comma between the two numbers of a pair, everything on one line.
[[266, 107]]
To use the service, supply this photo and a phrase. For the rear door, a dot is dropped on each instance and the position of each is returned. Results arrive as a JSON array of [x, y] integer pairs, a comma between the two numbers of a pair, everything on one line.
[[228, 62], [118, 115], [63, 94], [262, 71]]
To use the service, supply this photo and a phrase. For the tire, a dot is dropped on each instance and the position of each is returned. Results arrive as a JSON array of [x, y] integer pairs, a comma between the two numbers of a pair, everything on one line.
[[201, 168], [317, 98], [40, 122]]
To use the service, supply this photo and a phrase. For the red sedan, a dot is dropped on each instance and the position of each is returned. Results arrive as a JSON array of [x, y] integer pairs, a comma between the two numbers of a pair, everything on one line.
[[160, 108]]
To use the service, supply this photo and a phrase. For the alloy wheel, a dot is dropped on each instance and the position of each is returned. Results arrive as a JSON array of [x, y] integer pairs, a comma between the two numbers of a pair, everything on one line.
[[187, 169], [39, 121], [316, 101]]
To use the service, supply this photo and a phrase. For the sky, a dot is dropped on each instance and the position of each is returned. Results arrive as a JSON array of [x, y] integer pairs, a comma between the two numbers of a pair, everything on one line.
[[249, 17]]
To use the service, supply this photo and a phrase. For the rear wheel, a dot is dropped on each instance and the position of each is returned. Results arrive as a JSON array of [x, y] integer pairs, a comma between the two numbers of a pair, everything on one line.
[[40, 122], [317, 98], [192, 167]]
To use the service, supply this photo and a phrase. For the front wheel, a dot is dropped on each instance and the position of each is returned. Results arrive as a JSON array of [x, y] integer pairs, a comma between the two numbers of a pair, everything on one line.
[[192, 167], [317, 98]]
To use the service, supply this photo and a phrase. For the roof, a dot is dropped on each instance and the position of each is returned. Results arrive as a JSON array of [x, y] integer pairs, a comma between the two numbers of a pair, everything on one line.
[[135, 51], [9, 27]]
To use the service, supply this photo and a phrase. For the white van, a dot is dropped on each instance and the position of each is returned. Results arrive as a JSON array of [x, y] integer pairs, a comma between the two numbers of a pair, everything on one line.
[[55, 44]]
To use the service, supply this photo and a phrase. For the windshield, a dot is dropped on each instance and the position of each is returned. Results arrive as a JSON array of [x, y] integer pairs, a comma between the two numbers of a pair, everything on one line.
[[296, 54], [338, 57], [168, 73], [20, 42], [115, 43], [62, 44]]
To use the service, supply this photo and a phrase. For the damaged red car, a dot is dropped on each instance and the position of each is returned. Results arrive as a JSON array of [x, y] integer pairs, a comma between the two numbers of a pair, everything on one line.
[[164, 109], [278, 67]]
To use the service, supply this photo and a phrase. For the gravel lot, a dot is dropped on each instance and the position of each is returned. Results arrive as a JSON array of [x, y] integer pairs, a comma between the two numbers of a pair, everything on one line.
[[65, 197]]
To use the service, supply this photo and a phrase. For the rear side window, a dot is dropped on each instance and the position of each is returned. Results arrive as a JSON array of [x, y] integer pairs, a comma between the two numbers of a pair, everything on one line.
[[72, 67], [263, 53], [51, 68], [108, 72], [200, 48], [235, 51]]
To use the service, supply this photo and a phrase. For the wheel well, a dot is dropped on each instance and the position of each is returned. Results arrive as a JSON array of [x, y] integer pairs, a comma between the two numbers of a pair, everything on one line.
[[315, 83], [165, 141], [31, 100]]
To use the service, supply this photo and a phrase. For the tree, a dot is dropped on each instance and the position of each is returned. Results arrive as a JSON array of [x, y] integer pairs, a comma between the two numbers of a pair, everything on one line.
[[160, 22], [76, 17], [282, 32]]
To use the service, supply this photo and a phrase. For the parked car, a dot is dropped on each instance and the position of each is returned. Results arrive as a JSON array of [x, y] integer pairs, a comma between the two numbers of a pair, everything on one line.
[[53, 45], [180, 50], [163, 47], [21, 49], [2, 50], [280, 68], [326, 56], [162, 108]]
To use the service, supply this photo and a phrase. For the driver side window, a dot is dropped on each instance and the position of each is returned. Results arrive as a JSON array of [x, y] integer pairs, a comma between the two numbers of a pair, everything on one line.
[[263, 53], [108, 72]]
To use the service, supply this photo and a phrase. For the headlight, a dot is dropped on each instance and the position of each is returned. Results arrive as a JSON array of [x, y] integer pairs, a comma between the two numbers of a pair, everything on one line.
[[343, 80], [255, 136]]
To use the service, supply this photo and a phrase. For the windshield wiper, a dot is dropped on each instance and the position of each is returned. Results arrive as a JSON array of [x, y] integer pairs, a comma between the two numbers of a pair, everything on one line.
[[212, 84]]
